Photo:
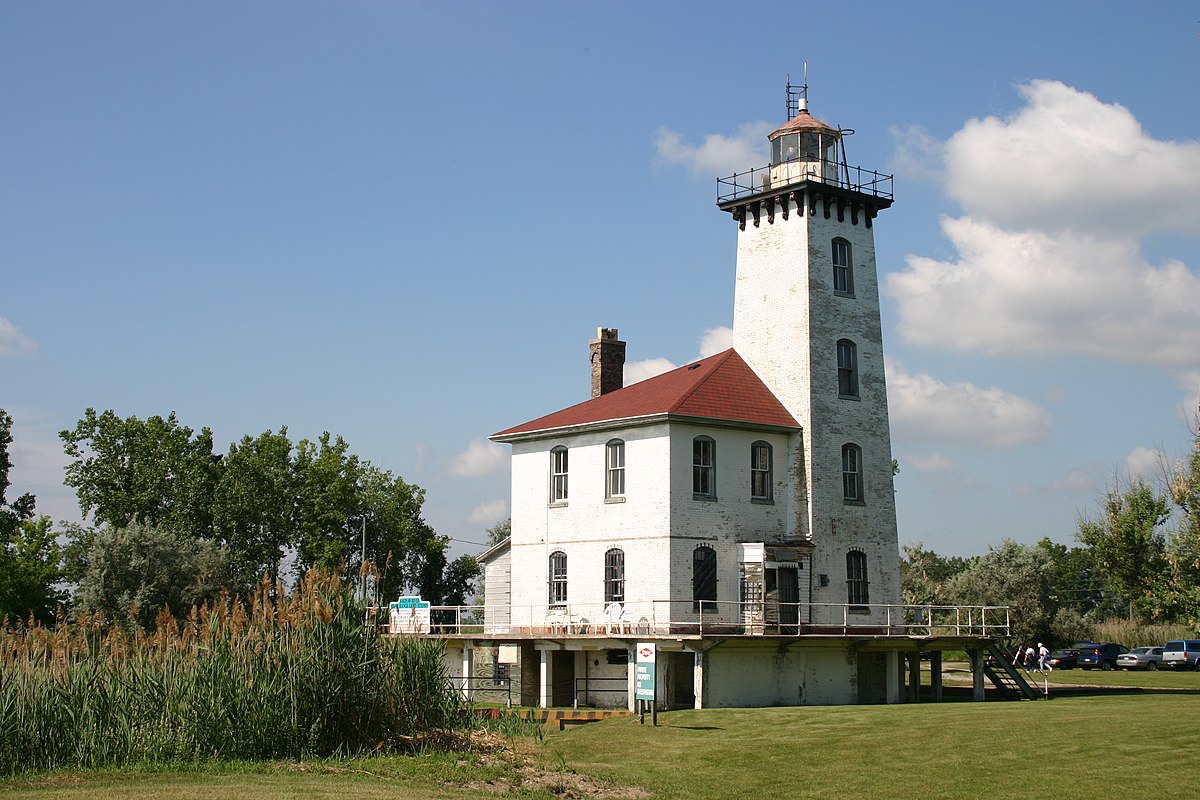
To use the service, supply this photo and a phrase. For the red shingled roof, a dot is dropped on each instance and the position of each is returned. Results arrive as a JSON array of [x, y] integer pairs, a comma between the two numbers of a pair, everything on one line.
[[803, 121], [720, 387]]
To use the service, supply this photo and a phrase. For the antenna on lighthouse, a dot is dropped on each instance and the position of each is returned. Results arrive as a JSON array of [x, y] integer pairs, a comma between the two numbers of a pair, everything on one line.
[[797, 96]]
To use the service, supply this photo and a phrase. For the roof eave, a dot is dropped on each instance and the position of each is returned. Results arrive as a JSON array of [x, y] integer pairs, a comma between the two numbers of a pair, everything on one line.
[[649, 419]]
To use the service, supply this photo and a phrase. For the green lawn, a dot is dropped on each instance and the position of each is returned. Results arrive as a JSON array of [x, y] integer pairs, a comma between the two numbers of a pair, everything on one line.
[[1069, 747]]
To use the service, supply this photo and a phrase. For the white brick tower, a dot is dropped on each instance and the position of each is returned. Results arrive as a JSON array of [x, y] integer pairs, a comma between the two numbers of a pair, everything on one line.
[[806, 319]]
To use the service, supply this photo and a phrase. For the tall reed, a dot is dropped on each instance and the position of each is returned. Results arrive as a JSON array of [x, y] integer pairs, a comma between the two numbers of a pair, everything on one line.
[[291, 677]]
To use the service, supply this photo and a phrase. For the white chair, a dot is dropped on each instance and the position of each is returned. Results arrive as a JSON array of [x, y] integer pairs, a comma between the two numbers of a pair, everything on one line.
[[615, 621]]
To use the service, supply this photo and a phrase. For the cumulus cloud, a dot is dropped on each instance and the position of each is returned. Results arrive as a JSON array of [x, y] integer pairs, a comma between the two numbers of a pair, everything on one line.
[[1069, 161], [1146, 463], [716, 340], [1049, 255], [480, 458], [1017, 292], [636, 371], [13, 341], [488, 513], [717, 154], [925, 410], [932, 464]]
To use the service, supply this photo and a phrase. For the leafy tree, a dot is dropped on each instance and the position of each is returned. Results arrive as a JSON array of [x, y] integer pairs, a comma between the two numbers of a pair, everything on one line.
[[1128, 542], [499, 532], [134, 572], [924, 575], [30, 558], [327, 500], [254, 507], [1014, 575], [153, 471]]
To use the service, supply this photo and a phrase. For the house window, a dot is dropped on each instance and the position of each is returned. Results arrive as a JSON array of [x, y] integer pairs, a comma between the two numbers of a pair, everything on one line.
[[847, 361], [558, 475], [857, 593], [704, 579], [760, 471], [614, 485], [704, 467], [852, 483], [558, 578], [843, 270], [500, 674], [614, 576]]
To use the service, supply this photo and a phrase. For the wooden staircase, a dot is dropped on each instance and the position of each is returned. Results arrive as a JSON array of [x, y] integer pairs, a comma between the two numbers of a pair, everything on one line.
[[1007, 679]]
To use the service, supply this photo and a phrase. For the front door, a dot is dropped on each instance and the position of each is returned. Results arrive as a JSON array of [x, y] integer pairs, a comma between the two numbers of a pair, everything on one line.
[[789, 599]]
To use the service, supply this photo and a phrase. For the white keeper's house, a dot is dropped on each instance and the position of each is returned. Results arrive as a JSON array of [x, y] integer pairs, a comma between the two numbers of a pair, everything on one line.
[[738, 511]]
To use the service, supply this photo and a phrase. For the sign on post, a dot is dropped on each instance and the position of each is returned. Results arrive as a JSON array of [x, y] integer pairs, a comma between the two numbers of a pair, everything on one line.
[[409, 615], [644, 672]]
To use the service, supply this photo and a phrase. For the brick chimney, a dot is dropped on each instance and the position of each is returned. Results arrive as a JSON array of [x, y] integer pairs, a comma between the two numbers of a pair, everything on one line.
[[608, 361]]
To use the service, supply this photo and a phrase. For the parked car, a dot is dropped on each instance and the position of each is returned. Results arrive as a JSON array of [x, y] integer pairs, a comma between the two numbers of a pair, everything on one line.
[[1103, 656], [1063, 659], [1182, 654], [1141, 658]]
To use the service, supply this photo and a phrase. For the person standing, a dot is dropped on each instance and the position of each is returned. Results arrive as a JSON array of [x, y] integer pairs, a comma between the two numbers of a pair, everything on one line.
[[1044, 658], [1030, 659]]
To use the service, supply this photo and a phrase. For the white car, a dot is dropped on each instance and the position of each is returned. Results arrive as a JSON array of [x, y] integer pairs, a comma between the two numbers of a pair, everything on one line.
[[1141, 658]]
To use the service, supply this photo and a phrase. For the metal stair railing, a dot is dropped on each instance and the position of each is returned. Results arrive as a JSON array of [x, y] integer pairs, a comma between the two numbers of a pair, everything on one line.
[[1005, 677]]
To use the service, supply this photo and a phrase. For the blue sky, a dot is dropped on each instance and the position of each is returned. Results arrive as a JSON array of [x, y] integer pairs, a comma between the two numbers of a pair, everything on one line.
[[402, 222]]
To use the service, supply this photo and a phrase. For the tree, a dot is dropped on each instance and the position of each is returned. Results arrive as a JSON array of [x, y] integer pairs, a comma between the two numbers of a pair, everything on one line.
[[154, 471], [1014, 575], [254, 507], [924, 575], [1128, 542], [30, 558], [134, 572], [327, 501], [499, 532]]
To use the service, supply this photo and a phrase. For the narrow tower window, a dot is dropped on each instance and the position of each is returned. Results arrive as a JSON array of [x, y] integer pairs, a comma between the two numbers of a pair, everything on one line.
[[704, 467], [558, 578], [704, 579], [843, 269], [614, 576], [847, 361], [852, 483], [760, 471], [614, 485], [558, 475], [857, 589]]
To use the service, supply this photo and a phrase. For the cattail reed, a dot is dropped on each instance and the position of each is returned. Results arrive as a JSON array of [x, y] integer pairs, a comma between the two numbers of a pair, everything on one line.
[[290, 675]]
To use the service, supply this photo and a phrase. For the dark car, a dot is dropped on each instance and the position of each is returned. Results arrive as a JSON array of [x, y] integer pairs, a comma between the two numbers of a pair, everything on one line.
[[1063, 659], [1103, 656]]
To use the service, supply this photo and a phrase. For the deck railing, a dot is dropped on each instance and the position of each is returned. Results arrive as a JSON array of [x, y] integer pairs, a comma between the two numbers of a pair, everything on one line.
[[713, 618], [776, 176]]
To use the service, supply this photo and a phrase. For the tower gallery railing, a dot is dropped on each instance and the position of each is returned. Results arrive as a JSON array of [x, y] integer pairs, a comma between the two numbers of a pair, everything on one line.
[[706, 618], [763, 179]]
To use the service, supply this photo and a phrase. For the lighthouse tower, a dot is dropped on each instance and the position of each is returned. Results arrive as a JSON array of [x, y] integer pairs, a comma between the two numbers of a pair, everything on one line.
[[806, 320]]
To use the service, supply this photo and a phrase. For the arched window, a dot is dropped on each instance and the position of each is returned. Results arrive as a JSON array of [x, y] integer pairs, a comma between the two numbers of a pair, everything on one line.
[[852, 481], [558, 475], [704, 467], [614, 482], [843, 268], [760, 471], [857, 589], [614, 576], [558, 578], [704, 579], [847, 361]]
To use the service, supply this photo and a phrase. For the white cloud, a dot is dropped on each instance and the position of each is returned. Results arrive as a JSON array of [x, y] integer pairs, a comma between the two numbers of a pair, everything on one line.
[[480, 458], [717, 155], [1082, 479], [488, 513], [932, 464], [917, 155], [1069, 161], [13, 342], [924, 410], [636, 371], [1049, 260], [1031, 292], [715, 340], [1146, 463]]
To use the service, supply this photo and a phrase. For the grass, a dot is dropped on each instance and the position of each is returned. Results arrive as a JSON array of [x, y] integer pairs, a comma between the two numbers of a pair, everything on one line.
[[1069, 747]]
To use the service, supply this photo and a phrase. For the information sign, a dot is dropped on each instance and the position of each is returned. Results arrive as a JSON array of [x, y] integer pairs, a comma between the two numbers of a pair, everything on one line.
[[408, 615], [644, 672]]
